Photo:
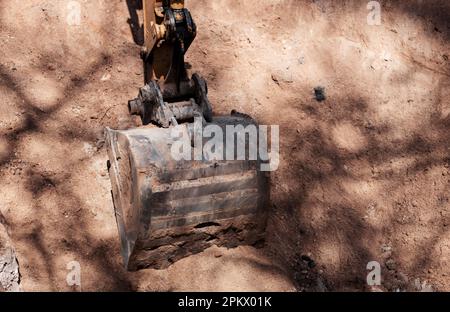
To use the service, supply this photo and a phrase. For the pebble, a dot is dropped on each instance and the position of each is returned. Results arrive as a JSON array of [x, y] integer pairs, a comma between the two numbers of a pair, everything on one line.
[[106, 77], [391, 265], [319, 93]]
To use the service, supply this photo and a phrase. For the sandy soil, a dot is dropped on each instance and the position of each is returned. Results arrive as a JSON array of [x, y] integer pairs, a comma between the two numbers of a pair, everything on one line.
[[363, 177]]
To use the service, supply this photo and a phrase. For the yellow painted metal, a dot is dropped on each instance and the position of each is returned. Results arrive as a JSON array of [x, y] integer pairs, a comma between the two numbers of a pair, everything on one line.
[[177, 4], [153, 32], [150, 34]]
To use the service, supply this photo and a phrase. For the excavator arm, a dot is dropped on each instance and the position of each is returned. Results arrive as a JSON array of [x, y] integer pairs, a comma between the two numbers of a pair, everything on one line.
[[167, 208]]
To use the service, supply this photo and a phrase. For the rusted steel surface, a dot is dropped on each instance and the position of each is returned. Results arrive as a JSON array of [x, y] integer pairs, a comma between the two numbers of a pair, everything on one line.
[[167, 209]]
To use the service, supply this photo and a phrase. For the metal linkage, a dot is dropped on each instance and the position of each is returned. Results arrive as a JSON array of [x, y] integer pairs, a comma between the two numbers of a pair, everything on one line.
[[152, 108]]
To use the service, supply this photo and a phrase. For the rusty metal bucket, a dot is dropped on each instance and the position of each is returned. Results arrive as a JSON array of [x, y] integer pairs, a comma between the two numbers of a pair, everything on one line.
[[168, 209]]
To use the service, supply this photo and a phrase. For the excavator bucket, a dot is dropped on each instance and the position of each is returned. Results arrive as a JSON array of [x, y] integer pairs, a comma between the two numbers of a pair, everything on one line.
[[168, 209]]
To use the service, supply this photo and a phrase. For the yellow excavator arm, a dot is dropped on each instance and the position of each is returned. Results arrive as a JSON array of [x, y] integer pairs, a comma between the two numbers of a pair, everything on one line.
[[152, 31], [154, 28]]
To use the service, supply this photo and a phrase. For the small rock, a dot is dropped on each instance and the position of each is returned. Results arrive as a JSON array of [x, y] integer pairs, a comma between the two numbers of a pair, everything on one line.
[[319, 93], [386, 248], [282, 76], [106, 77], [391, 265]]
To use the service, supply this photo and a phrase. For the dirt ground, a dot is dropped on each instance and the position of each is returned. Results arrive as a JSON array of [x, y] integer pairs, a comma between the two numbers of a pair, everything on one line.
[[364, 175]]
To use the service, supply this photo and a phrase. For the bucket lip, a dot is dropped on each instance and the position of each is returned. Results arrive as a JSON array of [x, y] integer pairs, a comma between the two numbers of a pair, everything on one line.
[[126, 242]]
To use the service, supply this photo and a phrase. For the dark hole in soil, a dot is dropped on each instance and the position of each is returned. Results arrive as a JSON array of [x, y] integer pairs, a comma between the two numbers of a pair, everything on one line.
[[206, 224]]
